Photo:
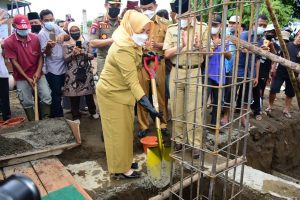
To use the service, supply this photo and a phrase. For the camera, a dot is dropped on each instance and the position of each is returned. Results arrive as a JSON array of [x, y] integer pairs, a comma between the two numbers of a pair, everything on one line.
[[270, 37], [19, 187]]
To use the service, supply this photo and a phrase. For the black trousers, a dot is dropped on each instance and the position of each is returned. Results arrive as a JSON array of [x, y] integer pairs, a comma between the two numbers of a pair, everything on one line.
[[4, 97], [75, 103]]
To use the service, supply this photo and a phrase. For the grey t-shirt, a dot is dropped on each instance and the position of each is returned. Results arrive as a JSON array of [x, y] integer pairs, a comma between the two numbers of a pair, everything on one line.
[[55, 63]]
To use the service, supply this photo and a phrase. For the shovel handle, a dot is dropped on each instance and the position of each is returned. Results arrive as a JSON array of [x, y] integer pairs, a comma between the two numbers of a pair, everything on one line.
[[36, 105]]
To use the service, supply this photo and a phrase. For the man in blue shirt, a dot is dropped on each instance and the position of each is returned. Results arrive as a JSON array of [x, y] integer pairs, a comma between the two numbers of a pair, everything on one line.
[[243, 70]]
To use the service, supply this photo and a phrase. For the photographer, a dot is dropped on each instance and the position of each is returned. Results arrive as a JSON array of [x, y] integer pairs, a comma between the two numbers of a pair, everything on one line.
[[269, 44], [79, 76]]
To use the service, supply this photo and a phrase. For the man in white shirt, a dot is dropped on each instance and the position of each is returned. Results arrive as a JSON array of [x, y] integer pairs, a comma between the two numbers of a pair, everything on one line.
[[4, 87]]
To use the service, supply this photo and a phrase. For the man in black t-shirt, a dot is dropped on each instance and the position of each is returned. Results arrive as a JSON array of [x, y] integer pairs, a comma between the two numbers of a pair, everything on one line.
[[283, 76]]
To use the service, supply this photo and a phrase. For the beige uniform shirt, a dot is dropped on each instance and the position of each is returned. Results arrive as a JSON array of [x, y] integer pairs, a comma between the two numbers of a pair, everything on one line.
[[119, 80], [171, 41]]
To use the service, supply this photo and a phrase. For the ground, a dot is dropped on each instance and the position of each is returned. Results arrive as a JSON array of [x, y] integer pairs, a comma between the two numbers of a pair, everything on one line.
[[87, 163]]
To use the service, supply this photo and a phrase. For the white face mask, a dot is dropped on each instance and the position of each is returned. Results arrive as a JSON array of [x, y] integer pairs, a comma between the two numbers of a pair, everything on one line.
[[184, 23], [149, 13], [215, 30], [260, 30], [140, 38]]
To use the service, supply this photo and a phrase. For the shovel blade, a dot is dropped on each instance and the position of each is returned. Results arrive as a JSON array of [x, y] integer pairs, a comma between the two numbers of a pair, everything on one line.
[[159, 166]]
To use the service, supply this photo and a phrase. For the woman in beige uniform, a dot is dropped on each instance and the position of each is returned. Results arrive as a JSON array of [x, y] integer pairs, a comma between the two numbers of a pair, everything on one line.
[[118, 89]]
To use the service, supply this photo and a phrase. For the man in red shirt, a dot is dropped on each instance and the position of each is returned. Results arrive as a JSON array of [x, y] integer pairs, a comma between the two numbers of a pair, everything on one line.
[[23, 49]]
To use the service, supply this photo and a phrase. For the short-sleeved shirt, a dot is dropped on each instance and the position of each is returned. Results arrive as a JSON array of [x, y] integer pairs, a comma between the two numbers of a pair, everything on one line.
[[294, 51], [266, 64], [26, 53], [55, 62], [214, 66], [242, 58], [171, 41], [158, 33], [103, 28]]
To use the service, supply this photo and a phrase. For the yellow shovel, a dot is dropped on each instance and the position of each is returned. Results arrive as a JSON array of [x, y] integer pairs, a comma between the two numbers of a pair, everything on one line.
[[158, 158]]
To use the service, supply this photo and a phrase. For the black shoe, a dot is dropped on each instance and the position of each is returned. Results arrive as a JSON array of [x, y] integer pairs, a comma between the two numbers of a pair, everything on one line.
[[134, 174], [142, 133], [165, 131], [134, 165]]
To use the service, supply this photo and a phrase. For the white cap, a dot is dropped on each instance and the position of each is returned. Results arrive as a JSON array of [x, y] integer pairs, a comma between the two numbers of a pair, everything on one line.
[[270, 27], [285, 35], [234, 18]]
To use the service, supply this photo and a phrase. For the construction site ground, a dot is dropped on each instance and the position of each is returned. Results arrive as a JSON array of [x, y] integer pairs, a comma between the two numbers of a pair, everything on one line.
[[273, 147]]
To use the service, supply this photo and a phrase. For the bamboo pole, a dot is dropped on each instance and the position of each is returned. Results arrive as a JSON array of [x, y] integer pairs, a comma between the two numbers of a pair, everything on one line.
[[284, 49], [278, 59], [165, 194]]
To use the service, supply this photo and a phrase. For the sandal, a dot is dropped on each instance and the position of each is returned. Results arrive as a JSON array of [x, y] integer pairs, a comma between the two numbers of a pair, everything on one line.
[[134, 174], [134, 165], [258, 117], [287, 114]]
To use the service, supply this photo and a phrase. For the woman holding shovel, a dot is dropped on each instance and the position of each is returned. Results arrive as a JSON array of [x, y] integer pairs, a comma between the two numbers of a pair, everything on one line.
[[118, 89]]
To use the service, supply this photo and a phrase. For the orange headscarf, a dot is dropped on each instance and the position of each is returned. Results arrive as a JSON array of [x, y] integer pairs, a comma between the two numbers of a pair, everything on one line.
[[132, 22]]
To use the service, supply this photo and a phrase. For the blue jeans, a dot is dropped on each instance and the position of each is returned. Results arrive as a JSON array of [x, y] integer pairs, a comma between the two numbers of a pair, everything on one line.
[[25, 91], [56, 83]]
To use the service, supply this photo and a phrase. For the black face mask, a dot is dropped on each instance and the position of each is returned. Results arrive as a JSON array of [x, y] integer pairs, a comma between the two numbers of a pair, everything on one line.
[[36, 28], [113, 12], [75, 35]]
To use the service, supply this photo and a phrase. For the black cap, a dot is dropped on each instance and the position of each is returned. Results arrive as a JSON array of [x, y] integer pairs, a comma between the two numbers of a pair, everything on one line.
[[146, 2], [33, 15], [217, 19], [184, 8]]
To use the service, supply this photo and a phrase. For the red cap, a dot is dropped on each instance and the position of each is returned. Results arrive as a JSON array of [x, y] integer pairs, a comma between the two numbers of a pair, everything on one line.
[[21, 22]]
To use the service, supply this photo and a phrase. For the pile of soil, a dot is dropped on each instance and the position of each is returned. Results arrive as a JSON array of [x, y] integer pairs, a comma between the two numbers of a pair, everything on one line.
[[38, 135], [9, 145]]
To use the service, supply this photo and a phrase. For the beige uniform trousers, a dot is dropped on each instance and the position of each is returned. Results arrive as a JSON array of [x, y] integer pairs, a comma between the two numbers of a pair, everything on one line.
[[180, 101], [100, 65], [144, 80], [117, 124]]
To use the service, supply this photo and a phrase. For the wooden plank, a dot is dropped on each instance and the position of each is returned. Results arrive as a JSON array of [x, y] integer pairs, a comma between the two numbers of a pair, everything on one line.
[[1, 175], [34, 155], [27, 170], [54, 175]]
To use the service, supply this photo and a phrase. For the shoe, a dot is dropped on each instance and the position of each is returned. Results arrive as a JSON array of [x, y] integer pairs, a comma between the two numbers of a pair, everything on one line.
[[134, 174], [45, 111], [134, 165], [165, 131], [95, 116], [142, 133], [29, 113]]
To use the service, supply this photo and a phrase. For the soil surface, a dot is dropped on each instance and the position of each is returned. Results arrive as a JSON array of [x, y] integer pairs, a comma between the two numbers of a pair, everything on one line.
[[271, 145], [31, 136]]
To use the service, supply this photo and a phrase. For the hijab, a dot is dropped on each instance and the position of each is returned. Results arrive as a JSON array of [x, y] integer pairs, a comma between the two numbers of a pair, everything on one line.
[[132, 22], [72, 41]]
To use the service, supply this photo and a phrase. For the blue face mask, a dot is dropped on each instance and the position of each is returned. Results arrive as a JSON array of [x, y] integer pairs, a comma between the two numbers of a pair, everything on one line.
[[49, 25], [260, 30], [22, 33]]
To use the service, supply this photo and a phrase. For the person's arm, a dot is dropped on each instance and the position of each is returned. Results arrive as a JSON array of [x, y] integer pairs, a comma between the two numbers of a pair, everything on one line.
[[171, 51], [21, 71], [37, 74], [68, 52], [98, 43], [127, 66], [228, 54], [89, 51], [257, 65]]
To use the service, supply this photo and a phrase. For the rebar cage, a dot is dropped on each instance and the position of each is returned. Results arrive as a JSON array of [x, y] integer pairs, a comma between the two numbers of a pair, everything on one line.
[[209, 158]]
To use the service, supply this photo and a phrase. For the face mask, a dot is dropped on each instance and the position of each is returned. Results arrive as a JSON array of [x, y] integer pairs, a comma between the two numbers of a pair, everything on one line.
[[113, 12], [139, 39], [260, 30], [184, 23], [36, 28], [22, 33], [215, 30], [49, 25], [75, 35], [149, 13]]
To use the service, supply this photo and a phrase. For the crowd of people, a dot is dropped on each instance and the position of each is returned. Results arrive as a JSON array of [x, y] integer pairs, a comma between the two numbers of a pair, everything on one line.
[[58, 59]]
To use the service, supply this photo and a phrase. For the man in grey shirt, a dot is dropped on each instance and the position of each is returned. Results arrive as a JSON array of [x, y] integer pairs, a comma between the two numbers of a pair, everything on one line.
[[54, 58]]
